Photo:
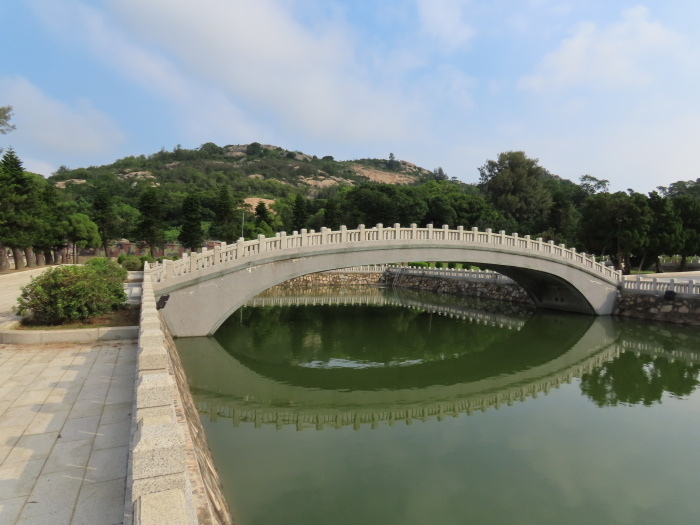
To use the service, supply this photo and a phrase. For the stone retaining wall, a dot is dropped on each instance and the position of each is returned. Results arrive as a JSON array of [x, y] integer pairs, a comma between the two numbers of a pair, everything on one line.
[[485, 289], [171, 477], [332, 279], [682, 309]]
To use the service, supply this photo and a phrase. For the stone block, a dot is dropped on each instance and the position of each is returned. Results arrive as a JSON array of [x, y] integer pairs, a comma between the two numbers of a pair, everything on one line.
[[140, 487], [168, 506], [156, 412], [158, 451], [153, 357], [151, 337], [149, 323], [154, 390]]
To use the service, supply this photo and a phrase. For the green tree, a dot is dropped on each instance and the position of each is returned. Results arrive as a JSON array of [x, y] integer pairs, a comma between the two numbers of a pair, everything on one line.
[[151, 222], [104, 215], [514, 184], [262, 214], [191, 235], [82, 233], [5, 126], [666, 229], [254, 149], [226, 225], [300, 213], [688, 206], [590, 185], [617, 225], [20, 196]]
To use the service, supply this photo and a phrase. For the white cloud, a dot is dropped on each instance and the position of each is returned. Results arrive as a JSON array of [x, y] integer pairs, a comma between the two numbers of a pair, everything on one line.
[[443, 20], [254, 59], [629, 53], [53, 126]]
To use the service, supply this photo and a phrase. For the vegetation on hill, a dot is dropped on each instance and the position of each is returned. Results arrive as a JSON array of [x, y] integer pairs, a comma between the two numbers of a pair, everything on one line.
[[195, 194]]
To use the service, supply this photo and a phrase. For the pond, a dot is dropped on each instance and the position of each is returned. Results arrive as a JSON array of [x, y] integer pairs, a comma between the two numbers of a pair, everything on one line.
[[380, 407]]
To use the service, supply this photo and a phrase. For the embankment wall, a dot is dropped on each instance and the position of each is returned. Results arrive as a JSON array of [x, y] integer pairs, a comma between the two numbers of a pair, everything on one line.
[[171, 476]]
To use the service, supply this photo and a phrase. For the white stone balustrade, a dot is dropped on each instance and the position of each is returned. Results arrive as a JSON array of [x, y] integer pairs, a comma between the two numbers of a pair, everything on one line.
[[381, 235]]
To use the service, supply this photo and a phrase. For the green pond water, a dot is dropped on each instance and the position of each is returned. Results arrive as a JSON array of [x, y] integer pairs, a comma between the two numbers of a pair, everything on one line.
[[422, 409]]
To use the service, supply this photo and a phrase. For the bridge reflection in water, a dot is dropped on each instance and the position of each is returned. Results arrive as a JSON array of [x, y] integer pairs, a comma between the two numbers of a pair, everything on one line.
[[265, 380]]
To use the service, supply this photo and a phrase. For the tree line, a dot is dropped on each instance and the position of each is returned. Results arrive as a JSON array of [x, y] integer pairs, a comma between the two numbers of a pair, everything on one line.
[[514, 193]]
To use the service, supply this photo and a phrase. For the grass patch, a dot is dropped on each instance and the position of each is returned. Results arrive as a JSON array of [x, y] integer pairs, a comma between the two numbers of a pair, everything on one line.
[[122, 317]]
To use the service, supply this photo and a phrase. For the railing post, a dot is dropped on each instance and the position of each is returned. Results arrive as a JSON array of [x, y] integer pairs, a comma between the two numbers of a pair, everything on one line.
[[414, 231], [445, 228], [460, 234], [343, 234], [324, 235], [488, 235], [261, 243], [430, 231], [217, 254], [361, 228], [397, 231], [303, 237], [240, 248], [168, 267], [380, 232]]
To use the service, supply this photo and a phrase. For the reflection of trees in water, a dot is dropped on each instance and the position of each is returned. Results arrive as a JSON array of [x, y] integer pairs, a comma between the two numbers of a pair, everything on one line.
[[365, 334], [631, 379]]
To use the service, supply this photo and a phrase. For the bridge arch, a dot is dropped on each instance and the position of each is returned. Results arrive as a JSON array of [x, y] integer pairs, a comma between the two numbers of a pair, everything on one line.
[[205, 289]]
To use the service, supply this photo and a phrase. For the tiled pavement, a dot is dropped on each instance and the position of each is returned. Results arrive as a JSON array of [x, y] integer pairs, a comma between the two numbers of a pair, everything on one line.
[[65, 414]]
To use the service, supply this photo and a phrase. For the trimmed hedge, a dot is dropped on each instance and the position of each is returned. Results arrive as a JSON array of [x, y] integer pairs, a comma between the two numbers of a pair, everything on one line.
[[73, 293]]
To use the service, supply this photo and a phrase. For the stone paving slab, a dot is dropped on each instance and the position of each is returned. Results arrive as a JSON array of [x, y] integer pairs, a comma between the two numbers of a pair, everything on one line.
[[65, 415]]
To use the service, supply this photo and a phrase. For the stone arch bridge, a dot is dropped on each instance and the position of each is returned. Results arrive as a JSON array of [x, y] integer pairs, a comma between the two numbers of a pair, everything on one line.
[[206, 288]]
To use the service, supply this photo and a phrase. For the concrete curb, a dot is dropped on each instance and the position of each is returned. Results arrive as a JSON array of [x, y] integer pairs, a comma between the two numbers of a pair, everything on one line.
[[9, 334]]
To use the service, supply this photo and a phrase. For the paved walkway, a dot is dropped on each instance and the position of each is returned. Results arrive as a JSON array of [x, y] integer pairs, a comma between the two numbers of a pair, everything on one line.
[[10, 284], [65, 414]]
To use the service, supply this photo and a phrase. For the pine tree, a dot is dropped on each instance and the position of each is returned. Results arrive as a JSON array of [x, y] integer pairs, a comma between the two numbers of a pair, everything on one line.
[[226, 226], [262, 214], [191, 235], [300, 213], [151, 223], [104, 216]]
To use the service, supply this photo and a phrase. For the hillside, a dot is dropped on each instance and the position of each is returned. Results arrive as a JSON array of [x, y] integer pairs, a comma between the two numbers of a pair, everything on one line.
[[251, 170]]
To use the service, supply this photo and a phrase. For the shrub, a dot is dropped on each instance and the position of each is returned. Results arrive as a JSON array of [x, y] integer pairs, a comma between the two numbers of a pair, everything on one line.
[[146, 258], [72, 293], [132, 263], [121, 258]]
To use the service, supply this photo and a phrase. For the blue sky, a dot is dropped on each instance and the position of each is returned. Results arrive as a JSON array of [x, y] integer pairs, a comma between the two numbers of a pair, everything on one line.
[[603, 88]]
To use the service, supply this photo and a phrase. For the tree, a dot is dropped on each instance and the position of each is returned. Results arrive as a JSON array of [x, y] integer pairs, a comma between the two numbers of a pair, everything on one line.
[[104, 215], [300, 213], [191, 235], [5, 126], [254, 149], [666, 229], [439, 174], [514, 184], [151, 223], [226, 226], [616, 224], [19, 196], [82, 233], [590, 185], [262, 214], [688, 206]]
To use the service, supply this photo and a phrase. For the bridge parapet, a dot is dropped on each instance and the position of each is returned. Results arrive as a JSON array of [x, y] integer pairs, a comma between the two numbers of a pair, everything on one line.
[[380, 235]]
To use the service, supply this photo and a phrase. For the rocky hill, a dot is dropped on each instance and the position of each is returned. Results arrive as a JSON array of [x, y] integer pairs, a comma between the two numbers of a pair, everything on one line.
[[252, 170]]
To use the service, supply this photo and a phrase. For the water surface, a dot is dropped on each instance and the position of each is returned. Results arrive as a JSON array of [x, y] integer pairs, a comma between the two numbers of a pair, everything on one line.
[[342, 414]]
